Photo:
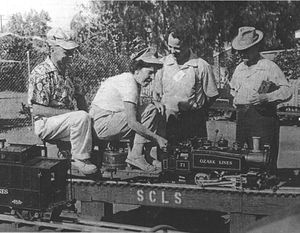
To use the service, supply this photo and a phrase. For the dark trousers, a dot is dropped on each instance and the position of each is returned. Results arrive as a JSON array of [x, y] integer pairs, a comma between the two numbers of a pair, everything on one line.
[[186, 125], [257, 122]]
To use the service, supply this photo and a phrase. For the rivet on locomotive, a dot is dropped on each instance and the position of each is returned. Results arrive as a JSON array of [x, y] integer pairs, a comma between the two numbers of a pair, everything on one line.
[[32, 186]]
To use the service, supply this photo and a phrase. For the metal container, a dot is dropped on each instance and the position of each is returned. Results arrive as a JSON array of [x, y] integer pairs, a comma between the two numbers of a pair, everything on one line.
[[114, 159]]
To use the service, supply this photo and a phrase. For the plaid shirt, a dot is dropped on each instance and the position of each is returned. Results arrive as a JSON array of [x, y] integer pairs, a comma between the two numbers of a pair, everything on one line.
[[47, 87]]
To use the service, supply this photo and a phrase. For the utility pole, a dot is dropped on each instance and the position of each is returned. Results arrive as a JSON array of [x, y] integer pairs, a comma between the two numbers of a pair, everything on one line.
[[1, 28]]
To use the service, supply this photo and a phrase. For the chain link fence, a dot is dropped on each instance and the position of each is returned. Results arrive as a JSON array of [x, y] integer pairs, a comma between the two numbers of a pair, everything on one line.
[[13, 92], [91, 65]]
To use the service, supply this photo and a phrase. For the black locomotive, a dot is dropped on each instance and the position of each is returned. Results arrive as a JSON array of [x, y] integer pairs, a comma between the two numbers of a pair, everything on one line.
[[204, 162], [32, 186]]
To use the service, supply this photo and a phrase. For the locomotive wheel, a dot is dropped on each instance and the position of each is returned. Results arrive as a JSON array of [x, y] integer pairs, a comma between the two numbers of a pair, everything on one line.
[[24, 214], [56, 213], [200, 178]]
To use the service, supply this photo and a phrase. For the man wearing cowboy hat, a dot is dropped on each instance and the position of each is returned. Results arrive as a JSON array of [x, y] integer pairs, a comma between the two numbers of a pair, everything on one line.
[[257, 85], [54, 99], [115, 111], [185, 87]]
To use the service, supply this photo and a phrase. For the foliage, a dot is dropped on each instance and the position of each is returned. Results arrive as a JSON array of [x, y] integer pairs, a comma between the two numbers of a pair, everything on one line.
[[94, 64], [110, 31], [29, 24], [289, 61], [15, 46]]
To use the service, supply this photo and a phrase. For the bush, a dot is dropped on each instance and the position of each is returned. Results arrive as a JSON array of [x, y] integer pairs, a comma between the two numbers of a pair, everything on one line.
[[289, 61]]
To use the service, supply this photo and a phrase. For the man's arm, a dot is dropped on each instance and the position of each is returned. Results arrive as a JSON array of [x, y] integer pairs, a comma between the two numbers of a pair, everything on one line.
[[131, 112], [283, 92], [209, 85], [157, 91], [47, 111], [81, 102]]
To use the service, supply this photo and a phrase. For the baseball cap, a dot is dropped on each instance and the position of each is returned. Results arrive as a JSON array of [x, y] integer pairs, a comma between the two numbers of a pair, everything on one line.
[[57, 36], [148, 55]]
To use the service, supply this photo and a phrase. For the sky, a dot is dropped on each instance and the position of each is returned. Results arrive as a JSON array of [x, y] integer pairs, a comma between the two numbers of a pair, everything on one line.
[[60, 11]]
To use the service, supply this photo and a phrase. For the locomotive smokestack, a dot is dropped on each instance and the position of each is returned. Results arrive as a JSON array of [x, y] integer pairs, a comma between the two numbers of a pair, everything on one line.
[[256, 141]]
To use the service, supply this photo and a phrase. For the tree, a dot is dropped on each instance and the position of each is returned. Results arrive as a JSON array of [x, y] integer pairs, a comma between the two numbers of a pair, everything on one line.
[[110, 31], [23, 29], [29, 24]]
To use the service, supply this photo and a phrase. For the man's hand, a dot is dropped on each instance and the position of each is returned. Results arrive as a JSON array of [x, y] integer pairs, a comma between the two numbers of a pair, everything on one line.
[[259, 99], [162, 142], [160, 107]]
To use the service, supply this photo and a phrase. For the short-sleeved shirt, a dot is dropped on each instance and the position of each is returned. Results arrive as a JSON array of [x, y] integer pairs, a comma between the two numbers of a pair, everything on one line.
[[246, 81], [191, 83], [116, 90], [47, 85]]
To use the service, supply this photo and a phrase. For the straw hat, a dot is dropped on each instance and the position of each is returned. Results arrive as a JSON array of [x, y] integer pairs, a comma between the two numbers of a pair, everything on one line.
[[247, 37]]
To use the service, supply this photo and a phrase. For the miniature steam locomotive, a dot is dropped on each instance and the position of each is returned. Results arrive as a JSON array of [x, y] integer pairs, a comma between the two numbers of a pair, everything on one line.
[[32, 186], [203, 162]]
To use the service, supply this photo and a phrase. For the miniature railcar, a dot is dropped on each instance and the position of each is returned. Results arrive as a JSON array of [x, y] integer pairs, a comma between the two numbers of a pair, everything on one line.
[[32, 186]]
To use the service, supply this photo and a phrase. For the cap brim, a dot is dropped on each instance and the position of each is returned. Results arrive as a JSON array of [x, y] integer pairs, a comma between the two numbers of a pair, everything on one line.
[[237, 46], [151, 60], [68, 45]]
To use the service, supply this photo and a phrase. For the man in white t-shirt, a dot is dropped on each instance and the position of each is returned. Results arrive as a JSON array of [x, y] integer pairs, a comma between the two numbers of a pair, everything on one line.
[[115, 110]]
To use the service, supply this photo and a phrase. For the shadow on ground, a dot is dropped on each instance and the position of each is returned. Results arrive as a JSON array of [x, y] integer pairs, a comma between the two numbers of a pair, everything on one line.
[[182, 219], [8, 124]]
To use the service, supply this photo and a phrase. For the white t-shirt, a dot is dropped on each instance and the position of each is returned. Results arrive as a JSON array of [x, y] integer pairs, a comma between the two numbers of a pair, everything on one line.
[[116, 90]]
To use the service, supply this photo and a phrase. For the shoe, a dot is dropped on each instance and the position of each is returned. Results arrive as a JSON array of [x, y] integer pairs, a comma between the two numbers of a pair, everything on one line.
[[157, 164], [141, 163], [84, 166]]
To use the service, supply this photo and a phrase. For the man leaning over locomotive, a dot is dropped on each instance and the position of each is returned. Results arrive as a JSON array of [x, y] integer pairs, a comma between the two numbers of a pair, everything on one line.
[[185, 87], [116, 111], [54, 100], [257, 86]]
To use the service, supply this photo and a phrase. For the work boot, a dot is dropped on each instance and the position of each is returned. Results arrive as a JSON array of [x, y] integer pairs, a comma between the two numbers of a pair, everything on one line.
[[84, 166]]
